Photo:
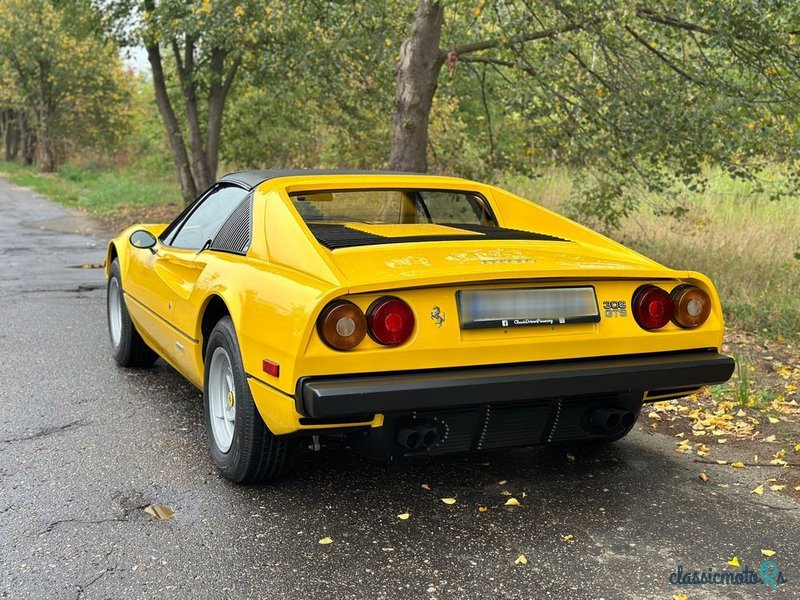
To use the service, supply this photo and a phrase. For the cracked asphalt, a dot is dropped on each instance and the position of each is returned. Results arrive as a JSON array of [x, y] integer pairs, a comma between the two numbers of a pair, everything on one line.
[[85, 446]]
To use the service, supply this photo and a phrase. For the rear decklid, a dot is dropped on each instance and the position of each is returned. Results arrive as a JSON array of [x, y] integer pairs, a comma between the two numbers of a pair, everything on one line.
[[417, 255]]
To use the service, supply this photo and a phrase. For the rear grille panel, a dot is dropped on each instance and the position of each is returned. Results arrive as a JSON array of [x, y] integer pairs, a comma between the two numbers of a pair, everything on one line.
[[491, 427]]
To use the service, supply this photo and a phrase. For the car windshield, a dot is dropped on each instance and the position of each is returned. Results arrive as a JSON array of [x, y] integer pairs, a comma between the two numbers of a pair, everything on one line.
[[394, 207]]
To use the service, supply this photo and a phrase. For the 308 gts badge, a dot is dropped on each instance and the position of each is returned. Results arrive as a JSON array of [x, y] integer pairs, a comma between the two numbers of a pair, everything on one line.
[[437, 315], [615, 308]]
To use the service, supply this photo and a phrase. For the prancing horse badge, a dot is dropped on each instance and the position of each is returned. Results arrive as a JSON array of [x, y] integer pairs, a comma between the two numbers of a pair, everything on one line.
[[437, 315]]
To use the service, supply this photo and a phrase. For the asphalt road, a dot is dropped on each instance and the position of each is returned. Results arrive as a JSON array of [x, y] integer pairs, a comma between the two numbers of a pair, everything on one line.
[[85, 446]]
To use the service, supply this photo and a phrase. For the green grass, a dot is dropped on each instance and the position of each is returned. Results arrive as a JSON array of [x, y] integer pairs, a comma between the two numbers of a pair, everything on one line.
[[748, 244], [99, 191]]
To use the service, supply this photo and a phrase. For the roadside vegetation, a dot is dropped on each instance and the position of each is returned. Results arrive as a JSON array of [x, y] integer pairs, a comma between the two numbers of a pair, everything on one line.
[[671, 129]]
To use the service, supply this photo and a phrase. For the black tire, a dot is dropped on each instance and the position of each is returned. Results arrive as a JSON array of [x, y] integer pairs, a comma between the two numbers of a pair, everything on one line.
[[130, 350], [255, 454]]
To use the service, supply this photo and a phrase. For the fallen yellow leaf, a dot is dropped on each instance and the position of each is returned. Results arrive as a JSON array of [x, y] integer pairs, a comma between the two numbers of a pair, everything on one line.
[[722, 462], [768, 553], [759, 490], [570, 457], [426, 487], [521, 560], [680, 597], [403, 517], [777, 488], [797, 448], [512, 502], [769, 438], [449, 500], [505, 493], [734, 562], [797, 488], [159, 512], [482, 509], [567, 538], [703, 476], [325, 541], [773, 420], [502, 482], [738, 465]]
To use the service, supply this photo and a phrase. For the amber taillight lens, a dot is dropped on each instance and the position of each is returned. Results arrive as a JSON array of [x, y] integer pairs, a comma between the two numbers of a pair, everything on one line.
[[652, 307], [690, 306], [342, 325], [390, 321]]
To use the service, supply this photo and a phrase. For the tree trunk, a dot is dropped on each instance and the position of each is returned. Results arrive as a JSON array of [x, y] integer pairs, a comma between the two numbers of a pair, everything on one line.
[[417, 74], [186, 73], [217, 94], [7, 130], [45, 151], [174, 137], [27, 140]]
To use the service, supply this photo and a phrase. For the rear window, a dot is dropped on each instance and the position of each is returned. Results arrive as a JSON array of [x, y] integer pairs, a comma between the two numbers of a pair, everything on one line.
[[394, 207]]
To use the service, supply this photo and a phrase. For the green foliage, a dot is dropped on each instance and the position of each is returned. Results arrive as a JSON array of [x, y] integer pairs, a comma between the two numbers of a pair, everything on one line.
[[63, 74]]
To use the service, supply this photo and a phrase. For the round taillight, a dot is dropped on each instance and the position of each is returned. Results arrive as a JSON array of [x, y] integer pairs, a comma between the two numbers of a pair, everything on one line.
[[390, 321], [652, 307], [342, 325], [691, 306]]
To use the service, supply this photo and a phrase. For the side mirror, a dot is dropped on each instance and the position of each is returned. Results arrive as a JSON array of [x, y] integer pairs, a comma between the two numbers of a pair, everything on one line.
[[143, 239]]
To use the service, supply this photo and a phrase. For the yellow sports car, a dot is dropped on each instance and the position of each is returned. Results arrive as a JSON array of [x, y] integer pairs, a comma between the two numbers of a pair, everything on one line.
[[404, 314]]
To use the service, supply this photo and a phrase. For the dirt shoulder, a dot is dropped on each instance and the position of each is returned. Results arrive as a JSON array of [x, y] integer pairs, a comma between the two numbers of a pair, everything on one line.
[[753, 421]]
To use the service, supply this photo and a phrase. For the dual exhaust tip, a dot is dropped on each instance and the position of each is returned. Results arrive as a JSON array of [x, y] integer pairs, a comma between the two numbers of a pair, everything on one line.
[[421, 437], [610, 420]]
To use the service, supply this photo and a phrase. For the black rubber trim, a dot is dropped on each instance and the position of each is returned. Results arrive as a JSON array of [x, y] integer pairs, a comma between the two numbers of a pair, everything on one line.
[[334, 237], [329, 397]]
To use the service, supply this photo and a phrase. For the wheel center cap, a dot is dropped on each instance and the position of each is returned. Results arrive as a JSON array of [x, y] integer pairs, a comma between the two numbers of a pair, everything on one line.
[[230, 398]]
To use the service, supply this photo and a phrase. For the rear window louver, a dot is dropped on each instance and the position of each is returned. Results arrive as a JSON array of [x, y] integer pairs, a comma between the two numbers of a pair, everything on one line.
[[234, 236]]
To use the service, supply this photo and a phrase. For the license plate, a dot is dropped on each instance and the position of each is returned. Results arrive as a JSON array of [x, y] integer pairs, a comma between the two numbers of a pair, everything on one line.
[[526, 307]]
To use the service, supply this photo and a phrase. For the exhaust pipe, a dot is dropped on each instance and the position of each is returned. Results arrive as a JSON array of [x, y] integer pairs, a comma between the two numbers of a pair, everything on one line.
[[604, 419], [430, 436], [419, 437], [626, 419], [409, 438], [611, 419]]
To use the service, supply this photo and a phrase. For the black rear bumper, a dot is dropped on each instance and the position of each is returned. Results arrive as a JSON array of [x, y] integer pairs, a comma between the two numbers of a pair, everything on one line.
[[347, 396]]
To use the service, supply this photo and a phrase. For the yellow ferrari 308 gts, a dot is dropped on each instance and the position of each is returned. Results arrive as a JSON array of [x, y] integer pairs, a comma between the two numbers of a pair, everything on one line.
[[404, 315]]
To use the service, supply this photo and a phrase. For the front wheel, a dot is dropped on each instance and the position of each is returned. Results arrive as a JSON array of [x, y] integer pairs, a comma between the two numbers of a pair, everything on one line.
[[242, 447], [127, 346]]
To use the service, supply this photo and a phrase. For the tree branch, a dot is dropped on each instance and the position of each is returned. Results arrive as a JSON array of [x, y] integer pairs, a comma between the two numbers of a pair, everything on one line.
[[663, 57], [651, 15], [518, 39]]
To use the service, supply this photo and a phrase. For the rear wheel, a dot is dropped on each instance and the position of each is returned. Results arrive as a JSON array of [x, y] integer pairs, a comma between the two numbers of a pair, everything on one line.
[[242, 446], [127, 346]]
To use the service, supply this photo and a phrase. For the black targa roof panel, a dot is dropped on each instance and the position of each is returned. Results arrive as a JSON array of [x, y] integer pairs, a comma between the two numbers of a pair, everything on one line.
[[251, 179]]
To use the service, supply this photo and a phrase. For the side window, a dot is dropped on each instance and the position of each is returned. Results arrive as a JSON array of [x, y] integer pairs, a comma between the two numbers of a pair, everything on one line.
[[206, 219]]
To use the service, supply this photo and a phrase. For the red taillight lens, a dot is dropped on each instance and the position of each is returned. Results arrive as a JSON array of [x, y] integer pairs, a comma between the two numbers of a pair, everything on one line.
[[691, 306], [652, 307], [342, 325], [390, 321]]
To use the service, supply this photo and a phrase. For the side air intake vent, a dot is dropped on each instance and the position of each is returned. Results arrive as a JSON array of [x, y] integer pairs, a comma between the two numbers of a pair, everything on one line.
[[234, 235]]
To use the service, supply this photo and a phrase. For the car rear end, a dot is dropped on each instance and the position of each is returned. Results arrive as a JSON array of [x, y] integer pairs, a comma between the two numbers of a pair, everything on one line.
[[452, 337]]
